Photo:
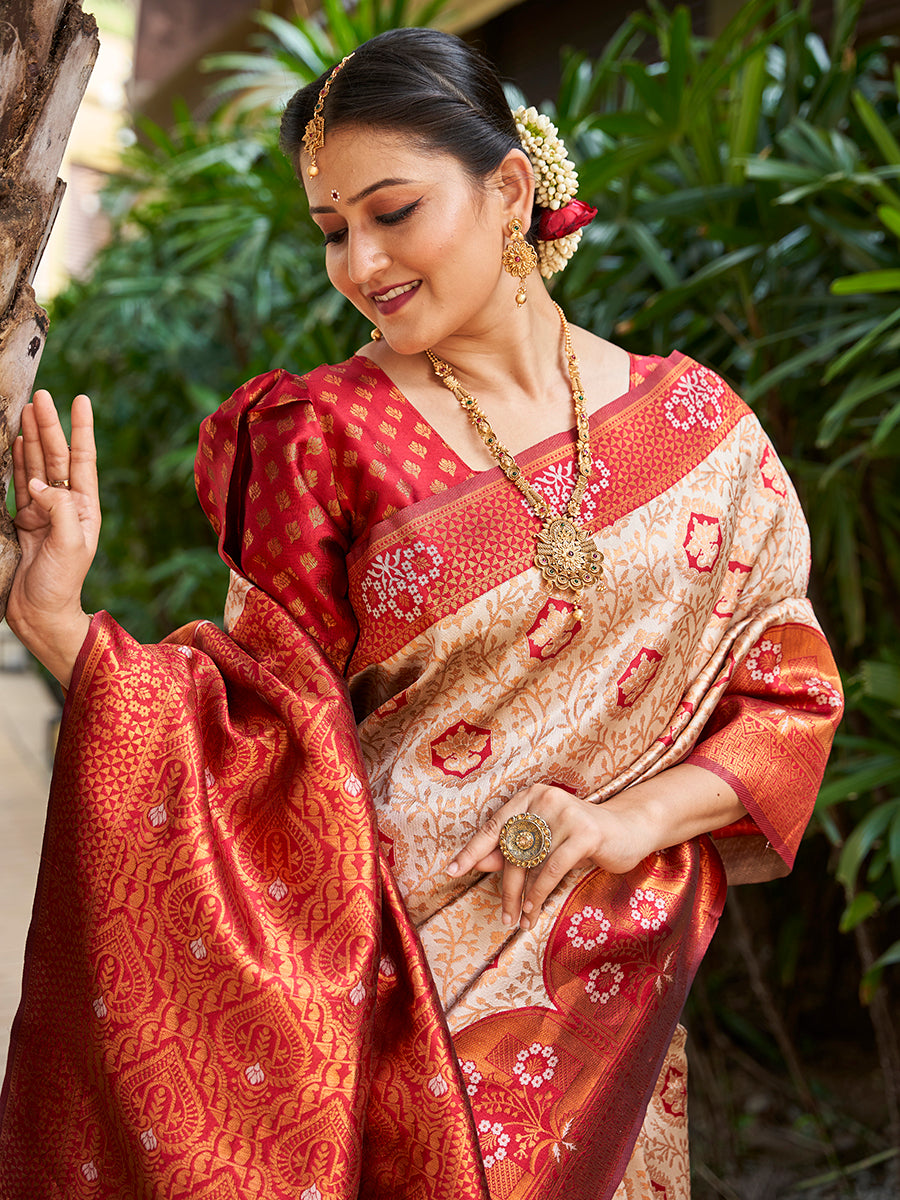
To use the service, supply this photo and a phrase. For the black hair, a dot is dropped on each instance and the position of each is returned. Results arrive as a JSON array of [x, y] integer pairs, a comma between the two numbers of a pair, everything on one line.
[[431, 86]]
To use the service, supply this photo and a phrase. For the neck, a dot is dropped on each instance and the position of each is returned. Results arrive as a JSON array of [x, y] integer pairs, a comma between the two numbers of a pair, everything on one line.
[[519, 352]]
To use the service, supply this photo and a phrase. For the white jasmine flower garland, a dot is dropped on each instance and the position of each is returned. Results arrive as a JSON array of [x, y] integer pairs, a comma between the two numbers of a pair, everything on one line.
[[555, 183]]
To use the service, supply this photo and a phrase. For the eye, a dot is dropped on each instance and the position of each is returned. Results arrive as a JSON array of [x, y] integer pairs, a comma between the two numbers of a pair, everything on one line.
[[394, 218], [391, 218]]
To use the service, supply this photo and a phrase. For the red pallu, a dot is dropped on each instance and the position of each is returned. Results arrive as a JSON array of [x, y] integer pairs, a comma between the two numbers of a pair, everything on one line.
[[204, 1013]]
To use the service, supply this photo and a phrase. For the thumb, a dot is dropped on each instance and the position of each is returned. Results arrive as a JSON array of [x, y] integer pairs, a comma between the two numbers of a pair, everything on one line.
[[57, 503]]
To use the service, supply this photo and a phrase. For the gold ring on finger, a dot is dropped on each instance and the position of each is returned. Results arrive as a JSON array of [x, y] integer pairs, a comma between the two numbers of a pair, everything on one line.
[[525, 840], [63, 483]]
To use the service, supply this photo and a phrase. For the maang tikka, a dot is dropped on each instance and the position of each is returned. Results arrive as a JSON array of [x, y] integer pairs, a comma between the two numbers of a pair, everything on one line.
[[519, 258], [314, 136]]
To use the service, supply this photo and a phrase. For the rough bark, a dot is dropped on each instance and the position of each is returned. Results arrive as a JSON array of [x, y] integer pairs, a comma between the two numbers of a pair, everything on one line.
[[47, 52]]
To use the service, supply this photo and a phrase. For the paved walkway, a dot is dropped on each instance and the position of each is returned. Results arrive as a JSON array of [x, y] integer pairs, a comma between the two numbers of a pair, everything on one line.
[[27, 714]]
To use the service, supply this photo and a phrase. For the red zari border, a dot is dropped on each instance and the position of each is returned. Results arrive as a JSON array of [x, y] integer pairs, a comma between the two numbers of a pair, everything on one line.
[[483, 529]]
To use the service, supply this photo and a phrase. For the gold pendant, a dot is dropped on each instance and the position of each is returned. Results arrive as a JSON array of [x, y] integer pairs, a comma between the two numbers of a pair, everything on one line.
[[567, 557]]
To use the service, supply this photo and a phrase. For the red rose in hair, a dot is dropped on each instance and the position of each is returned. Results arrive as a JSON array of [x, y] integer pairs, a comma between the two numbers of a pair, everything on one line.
[[557, 222]]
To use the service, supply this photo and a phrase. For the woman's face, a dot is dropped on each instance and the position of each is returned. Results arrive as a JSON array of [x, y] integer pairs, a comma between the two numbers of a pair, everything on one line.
[[408, 239]]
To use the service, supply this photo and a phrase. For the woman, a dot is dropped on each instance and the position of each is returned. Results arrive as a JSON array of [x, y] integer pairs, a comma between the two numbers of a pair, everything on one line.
[[551, 574]]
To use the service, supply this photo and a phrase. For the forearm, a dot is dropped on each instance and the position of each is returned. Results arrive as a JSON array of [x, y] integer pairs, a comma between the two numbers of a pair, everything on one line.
[[677, 805]]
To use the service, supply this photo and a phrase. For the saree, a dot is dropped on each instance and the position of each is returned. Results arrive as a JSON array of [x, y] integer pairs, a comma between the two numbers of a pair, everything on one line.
[[248, 973]]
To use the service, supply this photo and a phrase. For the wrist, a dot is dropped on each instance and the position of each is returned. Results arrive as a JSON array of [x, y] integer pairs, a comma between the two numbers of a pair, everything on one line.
[[56, 642], [639, 822], [678, 804]]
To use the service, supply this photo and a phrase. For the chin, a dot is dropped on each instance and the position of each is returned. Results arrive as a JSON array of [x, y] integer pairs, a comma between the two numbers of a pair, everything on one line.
[[405, 344]]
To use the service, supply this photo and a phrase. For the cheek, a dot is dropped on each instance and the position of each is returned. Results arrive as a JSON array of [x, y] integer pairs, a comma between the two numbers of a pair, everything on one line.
[[336, 270], [464, 244]]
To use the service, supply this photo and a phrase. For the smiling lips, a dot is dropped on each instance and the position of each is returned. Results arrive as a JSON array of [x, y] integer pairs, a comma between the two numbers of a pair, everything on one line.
[[394, 297]]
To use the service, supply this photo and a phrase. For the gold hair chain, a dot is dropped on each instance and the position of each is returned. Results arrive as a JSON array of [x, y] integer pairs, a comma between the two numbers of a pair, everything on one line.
[[314, 134]]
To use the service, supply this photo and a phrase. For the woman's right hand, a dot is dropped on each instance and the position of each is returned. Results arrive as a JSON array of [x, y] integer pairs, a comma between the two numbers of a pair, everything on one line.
[[58, 529]]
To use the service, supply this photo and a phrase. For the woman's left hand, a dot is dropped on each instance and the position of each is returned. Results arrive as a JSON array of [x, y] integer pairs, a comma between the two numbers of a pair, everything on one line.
[[670, 808], [610, 836]]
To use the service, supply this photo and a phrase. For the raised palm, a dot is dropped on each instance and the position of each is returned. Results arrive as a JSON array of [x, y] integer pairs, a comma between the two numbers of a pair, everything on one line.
[[58, 530]]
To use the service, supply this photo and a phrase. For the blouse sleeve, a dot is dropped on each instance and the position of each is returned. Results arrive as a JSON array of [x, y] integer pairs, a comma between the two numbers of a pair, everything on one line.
[[265, 479], [780, 700]]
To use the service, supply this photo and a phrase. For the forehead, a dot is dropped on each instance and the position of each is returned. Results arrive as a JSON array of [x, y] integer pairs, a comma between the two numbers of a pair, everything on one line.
[[355, 158]]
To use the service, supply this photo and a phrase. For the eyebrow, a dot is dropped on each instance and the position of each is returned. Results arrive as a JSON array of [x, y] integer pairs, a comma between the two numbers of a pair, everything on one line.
[[373, 187]]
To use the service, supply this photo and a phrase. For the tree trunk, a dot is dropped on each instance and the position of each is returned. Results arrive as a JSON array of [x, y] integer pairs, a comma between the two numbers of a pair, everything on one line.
[[47, 52]]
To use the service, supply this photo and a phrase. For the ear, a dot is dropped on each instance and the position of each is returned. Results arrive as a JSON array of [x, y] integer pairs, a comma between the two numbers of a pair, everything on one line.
[[515, 180]]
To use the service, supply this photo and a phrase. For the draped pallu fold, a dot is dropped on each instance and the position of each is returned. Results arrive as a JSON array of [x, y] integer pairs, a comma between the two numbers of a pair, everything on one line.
[[249, 974]]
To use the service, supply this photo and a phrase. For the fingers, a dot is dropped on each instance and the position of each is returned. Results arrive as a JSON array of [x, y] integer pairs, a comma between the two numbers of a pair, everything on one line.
[[59, 507], [33, 452], [541, 883], [482, 851], [482, 844], [51, 437], [482, 854], [46, 454], [20, 477], [83, 457], [576, 832], [511, 900]]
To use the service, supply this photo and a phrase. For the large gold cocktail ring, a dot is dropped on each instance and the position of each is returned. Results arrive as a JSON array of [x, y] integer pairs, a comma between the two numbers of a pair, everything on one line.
[[525, 840]]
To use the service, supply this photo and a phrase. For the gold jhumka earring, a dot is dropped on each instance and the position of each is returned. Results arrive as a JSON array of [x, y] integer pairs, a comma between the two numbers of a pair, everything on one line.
[[314, 136], [519, 258]]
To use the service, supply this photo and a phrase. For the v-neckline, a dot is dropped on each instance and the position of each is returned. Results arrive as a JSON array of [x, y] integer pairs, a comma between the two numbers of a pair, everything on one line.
[[530, 453]]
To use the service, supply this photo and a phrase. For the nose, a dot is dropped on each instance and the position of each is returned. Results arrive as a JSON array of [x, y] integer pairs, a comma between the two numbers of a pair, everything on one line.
[[365, 256]]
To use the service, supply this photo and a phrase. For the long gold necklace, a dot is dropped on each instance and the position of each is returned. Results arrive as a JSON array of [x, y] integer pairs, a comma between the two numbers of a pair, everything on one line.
[[565, 554]]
